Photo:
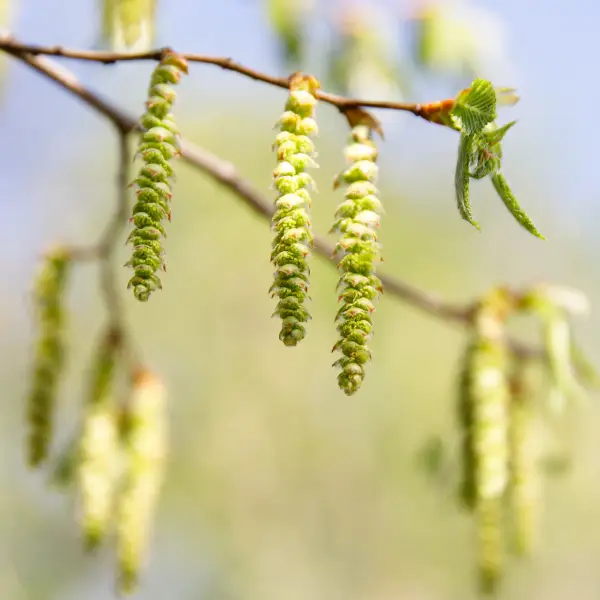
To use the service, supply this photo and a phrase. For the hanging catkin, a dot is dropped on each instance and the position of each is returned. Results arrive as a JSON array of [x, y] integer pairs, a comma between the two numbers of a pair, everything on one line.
[[49, 356], [159, 143], [290, 223], [97, 466], [484, 411], [144, 437], [525, 456], [357, 219]]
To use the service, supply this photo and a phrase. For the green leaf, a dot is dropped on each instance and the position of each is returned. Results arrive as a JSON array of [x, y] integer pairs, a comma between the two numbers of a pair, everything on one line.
[[475, 106], [503, 189], [461, 178], [494, 134]]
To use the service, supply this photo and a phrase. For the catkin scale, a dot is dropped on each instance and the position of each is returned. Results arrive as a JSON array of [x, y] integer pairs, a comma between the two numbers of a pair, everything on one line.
[[357, 218], [49, 354], [144, 439], [158, 145], [290, 223]]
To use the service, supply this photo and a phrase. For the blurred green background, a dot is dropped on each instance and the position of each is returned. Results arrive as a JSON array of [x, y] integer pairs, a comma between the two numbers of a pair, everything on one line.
[[279, 487]]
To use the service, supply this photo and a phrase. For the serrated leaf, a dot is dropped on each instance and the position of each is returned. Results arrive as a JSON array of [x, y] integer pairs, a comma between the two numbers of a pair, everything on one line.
[[462, 178], [503, 189], [475, 106], [494, 134]]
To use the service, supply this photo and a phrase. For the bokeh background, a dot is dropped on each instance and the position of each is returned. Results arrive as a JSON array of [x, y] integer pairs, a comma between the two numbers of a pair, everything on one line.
[[279, 487]]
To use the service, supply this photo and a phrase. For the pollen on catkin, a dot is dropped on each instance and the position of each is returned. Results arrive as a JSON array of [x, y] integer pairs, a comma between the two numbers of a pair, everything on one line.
[[159, 143], [48, 363], [144, 437], [357, 219], [293, 238], [97, 466], [524, 491], [485, 408]]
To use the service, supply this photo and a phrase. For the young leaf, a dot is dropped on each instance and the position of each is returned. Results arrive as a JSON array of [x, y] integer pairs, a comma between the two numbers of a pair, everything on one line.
[[502, 188], [494, 134], [461, 178], [475, 106]]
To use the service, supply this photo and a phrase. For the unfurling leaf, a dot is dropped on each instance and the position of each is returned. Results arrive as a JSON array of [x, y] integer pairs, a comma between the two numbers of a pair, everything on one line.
[[503, 189], [462, 178], [475, 106]]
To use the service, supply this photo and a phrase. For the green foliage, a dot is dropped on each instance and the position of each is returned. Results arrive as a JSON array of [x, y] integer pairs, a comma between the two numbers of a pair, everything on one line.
[[473, 113], [158, 145], [475, 107]]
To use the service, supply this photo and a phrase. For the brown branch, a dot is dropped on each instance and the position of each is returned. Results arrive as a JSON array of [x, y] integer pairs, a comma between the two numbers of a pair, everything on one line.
[[226, 174], [14, 47]]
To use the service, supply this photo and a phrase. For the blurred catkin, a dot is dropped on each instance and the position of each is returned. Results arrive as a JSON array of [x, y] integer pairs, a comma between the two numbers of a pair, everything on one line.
[[144, 438], [49, 358], [99, 445]]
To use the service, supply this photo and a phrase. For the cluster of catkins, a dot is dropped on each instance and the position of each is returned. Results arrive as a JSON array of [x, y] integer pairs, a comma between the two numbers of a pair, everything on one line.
[[499, 450], [356, 220], [119, 460], [159, 143]]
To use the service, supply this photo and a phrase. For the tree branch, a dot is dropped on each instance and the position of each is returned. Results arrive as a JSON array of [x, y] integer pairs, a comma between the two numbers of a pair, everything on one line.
[[226, 174], [12, 46]]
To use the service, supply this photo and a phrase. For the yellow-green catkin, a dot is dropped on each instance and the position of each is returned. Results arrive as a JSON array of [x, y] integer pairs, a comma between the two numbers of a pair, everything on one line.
[[128, 23], [487, 403], [525, 455], [159, 143], [144, 437], [357, 219], [293, 237], [49, 292], [98, 456]]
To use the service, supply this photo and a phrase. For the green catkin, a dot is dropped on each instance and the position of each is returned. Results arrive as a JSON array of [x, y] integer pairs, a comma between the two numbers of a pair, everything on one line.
[[293, 238], [145, 445], [525, 481], [48, 361], [485, 406], [97, 467], [357, 219], [158, 145]]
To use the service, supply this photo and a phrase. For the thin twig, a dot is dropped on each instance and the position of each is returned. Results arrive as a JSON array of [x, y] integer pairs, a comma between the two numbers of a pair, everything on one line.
[[226, 174], [12, 46]]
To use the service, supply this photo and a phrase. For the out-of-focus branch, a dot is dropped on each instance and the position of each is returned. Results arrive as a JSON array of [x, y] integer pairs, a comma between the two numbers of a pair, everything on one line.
[[221, 171]]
